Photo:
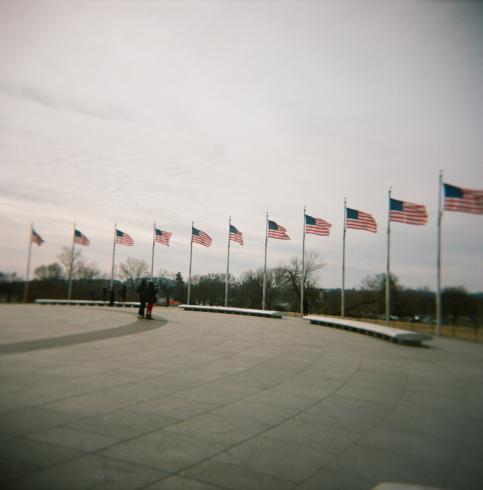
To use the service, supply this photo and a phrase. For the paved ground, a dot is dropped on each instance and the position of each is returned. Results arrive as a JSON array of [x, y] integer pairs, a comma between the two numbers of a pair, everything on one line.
[[205, 401], [21, 323]]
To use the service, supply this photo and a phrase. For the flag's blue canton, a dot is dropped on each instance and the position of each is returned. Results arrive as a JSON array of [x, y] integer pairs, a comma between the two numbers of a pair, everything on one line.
[[396, 205], [196, 231], [309, 220], [352, 214], [233, 229], [119, 233], [158, 232], [452, 191], [272, 225], [77, 233]]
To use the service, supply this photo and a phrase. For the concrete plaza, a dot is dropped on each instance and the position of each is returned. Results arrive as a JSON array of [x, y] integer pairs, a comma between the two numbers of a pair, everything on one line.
[[93, 398]]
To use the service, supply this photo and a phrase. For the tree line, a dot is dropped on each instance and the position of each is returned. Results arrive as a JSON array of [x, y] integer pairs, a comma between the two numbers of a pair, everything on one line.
[[282, 291]]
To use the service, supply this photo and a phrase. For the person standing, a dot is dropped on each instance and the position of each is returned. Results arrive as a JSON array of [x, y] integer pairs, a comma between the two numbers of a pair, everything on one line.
[[151, 298], [142, 291]]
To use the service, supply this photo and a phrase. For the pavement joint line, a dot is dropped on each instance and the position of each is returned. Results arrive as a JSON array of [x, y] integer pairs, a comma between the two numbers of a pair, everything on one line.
[[385, 417], [356, 442], [47, 467], [81, 338], [363, 434], [226, 448], [95, 390], [274, 426], [170, 475], [90, 453], [456, 461], [96, 451]]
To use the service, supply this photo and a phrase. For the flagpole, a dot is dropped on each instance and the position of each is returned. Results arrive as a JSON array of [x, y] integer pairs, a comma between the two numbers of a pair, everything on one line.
[[388, 272], [69, 289], [113, 255], [152, 254], [342, 292], [191, 259], [439, 304], [29, 256], [302, 279], [265, 265], [227, 263]]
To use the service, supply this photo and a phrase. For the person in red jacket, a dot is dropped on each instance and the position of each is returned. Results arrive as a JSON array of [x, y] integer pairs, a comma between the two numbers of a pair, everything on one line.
[[151, 298]]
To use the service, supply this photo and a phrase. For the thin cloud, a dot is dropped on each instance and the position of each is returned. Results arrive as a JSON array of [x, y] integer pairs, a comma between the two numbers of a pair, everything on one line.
[[43, 97]]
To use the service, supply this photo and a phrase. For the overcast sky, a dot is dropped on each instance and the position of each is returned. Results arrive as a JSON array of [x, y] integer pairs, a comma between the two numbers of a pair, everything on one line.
[[193, 111]]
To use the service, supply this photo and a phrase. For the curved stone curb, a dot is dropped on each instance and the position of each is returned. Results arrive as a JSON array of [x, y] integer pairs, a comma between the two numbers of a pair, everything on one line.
[[405, 337], [232, 311], [82, 338]]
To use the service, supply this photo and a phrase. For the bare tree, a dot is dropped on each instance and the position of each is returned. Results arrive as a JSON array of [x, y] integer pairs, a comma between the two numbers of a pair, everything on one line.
[[133, 270], [293, 272], [377, 282], [87, 271], [51, 271], [80, 268], [370, 299], [248, 289], [68, 260], [167, 284], [166, 274]]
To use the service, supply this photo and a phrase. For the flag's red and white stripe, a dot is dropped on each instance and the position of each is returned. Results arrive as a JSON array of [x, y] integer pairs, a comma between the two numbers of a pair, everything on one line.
[[364, 222], [279, 233], [162, 237], [124, 239], [202, 238], [321, 227], [236, 236], [36, 238], [81, 239], [471, 201], [412, 214]]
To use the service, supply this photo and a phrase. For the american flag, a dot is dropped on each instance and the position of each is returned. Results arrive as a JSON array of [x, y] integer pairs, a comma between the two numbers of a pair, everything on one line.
[[464, 200], [36, 238], [317, 226], [407, 212], [162, 237], [80, 238], [123, 238], [235, 235], [198, 236], [359, 220], [277, 231]]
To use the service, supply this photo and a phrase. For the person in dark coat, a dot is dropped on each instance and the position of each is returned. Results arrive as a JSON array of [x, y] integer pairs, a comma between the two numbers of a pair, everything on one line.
[[151, 298], [143, 292]]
